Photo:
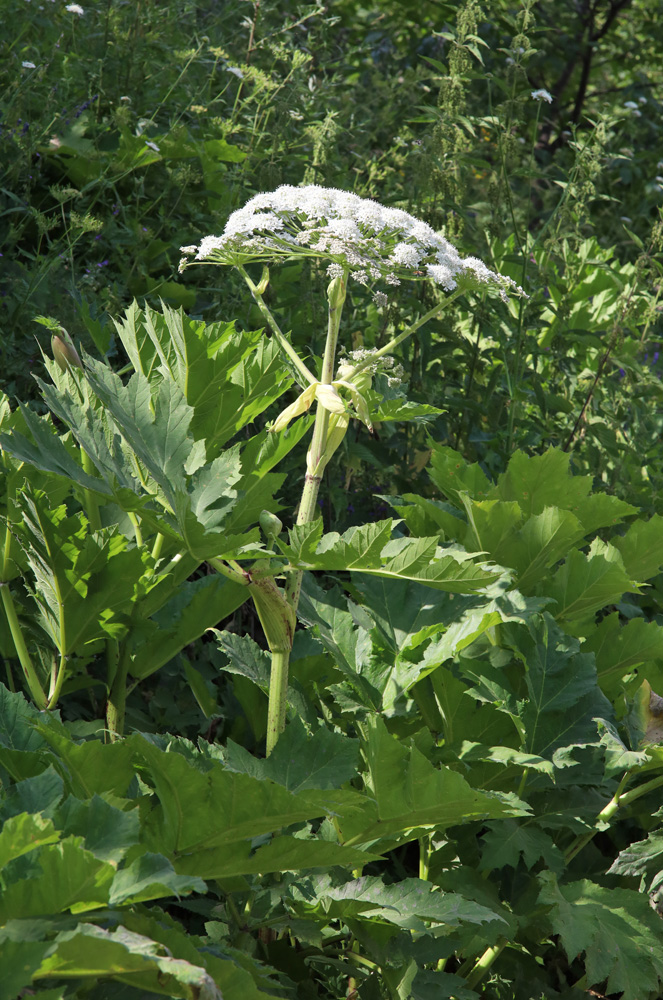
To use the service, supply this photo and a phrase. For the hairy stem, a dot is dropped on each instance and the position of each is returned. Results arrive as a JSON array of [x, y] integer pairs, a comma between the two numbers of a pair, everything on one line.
[[315, 464], [484, 962], [91, 503], [117, 696], [57, 680], [278, 687]]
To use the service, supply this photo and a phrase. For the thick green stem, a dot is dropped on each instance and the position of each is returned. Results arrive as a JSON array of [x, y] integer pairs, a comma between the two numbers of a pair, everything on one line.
[[29, 672], [57, 681], [276, 608], [91, 503], [117, 696], [137, 531], [315, 465], [25, 660], [483, 964], [278, 687], [277, 618], [618, 801], [425, 853], [157, 547]]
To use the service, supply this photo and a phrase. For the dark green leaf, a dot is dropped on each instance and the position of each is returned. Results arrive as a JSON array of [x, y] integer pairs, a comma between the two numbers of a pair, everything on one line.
[[299, 762], [149, 877], [616, 929]]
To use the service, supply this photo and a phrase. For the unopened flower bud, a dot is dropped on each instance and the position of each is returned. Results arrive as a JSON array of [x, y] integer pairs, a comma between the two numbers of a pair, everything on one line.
[[336, 292], [271, 525], [261, 288], [64, 353]]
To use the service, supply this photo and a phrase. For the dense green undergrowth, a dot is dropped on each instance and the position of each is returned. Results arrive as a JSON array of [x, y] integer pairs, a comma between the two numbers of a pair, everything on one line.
[[472, 749], [466, 800]]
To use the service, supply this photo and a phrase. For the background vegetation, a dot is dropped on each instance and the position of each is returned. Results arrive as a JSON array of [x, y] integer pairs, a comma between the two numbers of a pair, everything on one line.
[[128, 130]]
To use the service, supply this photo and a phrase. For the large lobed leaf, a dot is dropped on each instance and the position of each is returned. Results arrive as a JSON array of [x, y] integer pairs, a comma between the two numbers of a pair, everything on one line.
[[616, 930], [371, 549]]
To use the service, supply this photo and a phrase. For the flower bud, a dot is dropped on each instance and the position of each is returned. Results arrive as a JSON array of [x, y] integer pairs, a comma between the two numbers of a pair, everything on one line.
[[336, 292], [363, 380], [64, 353], [261, 288], [271, 525]]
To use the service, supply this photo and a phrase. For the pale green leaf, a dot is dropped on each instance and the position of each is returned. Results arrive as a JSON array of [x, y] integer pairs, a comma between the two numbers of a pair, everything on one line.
[[151, 876], [618, 648], [94, 951], [563, 694], [368, 549], [24, 833], [642, 548], [453, 476], [298, 762], [539, 481], [586, 583], [411, 903], [72, 879]]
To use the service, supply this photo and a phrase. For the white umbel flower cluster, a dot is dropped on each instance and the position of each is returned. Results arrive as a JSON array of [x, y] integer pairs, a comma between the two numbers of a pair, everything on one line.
[[357, 236]]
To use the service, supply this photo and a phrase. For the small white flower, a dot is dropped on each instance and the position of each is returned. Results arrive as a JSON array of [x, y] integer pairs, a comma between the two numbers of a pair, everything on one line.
[[356, 236], [75, 8], [26, 64], [406, 253], [152, 145], [642, 100], [626, 218], [542, 95], [190, 250], [631, 105], [380, 300]]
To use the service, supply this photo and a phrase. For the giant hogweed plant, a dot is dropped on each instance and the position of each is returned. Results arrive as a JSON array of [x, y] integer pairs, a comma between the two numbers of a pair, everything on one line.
[[154, 445], [372, 245], [471, 703]]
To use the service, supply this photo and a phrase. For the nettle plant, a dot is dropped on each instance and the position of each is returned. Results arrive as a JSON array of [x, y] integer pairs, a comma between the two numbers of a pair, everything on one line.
[[471, 707]]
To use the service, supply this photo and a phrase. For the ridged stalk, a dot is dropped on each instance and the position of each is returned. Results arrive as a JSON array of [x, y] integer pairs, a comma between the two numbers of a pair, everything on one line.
[[25, 660]]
